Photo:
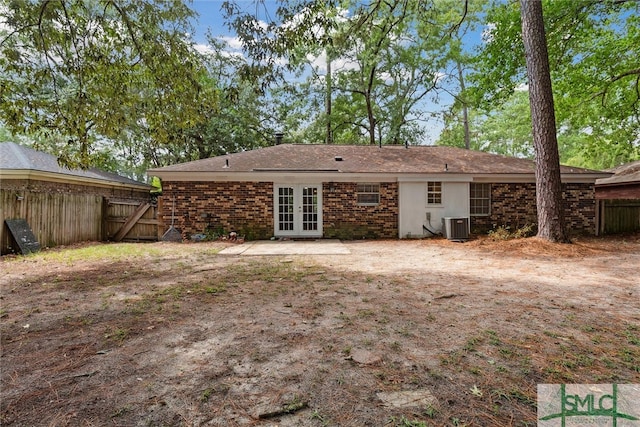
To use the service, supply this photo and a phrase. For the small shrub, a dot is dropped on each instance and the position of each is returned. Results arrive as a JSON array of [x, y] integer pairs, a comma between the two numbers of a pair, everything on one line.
[[500, 233], [524, 231], [504, 232]]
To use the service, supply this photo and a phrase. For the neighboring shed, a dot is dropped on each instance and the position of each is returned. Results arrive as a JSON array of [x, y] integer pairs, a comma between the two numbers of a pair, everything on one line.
[[64, 206], [619, 199], [342, 191]]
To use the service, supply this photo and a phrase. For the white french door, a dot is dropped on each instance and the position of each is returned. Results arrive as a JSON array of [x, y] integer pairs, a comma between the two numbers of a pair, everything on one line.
[[298, 210]]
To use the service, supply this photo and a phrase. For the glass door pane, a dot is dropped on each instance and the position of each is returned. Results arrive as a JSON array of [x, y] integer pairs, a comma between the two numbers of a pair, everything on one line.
[[309, 208], [285, 209], [297, 210]]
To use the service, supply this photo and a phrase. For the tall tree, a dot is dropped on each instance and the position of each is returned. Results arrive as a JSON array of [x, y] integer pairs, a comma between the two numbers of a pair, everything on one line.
[[399, 51], [385, 59], [594, 55], [548, 184], [459, 63], [505, 129], [86, 71], [239, 121]]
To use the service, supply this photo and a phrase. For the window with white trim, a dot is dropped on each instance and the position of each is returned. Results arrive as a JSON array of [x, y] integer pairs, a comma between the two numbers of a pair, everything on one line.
[[434, 193], [479, 199], [368, 194]]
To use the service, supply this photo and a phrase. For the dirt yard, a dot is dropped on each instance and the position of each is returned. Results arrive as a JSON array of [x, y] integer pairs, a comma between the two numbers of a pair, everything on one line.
[[397, 333]]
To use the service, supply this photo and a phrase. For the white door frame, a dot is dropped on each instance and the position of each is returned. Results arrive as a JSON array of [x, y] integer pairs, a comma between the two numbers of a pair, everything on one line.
[[297, 210]]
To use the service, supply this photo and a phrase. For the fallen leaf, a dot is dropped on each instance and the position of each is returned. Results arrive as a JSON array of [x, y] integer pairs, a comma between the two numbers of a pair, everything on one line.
[[476, 391]]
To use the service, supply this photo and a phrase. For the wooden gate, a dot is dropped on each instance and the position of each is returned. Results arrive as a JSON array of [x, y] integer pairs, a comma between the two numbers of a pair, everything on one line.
[[128, 220]]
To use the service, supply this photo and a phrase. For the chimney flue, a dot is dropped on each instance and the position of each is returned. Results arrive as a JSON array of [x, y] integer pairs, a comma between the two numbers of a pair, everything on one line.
[[279, 136]]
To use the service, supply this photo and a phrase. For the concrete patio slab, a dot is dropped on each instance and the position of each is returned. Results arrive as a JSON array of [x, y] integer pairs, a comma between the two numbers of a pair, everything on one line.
[[288, 247]]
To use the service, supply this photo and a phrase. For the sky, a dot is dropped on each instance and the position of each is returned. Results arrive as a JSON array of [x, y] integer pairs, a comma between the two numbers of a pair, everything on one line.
[[210, 17]]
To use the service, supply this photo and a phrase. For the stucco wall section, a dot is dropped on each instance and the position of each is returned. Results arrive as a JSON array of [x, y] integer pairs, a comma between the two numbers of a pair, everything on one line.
[[200, 207], [345, 219], [514, 205]]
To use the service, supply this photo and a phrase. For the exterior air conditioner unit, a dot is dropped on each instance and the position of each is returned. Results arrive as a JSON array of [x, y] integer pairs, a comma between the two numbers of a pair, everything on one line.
[[455, 228]]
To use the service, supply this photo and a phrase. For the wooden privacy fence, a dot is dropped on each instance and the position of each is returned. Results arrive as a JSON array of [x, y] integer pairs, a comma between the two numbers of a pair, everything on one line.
[[66, 218], [55, 218], [621, 216]]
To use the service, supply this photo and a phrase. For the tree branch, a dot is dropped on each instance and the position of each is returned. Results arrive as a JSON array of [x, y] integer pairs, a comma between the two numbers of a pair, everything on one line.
[[603, 92], [49, 60], [635, 103], [625, 74], [130, 30], [457, 26]]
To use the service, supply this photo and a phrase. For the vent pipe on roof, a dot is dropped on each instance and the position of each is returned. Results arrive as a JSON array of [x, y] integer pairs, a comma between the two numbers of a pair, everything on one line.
[[446, 167], [226, 163], [279, 136]]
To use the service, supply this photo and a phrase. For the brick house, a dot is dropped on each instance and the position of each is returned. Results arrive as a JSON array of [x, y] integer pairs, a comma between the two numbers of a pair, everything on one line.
[[618, 198], [63, 206], [349, 192]]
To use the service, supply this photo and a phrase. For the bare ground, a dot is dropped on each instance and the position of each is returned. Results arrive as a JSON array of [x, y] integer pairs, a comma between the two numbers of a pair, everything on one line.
[[179, 335]]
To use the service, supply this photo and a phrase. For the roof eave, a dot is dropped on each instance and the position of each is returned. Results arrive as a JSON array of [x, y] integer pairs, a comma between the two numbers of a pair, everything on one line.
[[337, 175], [29, 174]]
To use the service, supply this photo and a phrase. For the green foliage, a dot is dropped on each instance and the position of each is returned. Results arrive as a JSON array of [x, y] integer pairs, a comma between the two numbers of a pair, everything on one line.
[[156, 184], [117, 335], [506, 130], [405, 422], [89, 72], [114, 252], [594, 51], [122, 87], [206, 394], [350, 232], [385, 58], [504, 232]]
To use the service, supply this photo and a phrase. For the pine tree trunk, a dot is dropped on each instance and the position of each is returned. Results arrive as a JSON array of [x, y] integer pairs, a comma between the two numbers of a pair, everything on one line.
[[548, 184], [465, 109], [329, 94]]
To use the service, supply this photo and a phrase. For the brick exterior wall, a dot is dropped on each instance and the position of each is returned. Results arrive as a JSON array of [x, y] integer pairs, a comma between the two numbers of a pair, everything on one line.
[[202, 206], [37, 186], [247, 207], [344, 219], [580, 208], [514, 205]]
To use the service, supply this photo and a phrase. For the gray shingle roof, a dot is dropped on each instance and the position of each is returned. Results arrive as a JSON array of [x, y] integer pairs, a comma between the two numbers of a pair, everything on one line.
[[623, 174], [363, 159], [18, 157]]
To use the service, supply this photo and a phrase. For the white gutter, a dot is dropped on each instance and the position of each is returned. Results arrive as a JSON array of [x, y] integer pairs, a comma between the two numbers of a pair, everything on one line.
[[325, 176]]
